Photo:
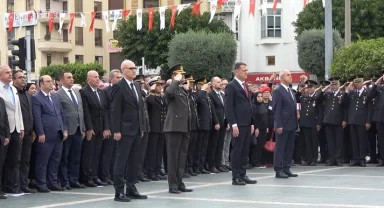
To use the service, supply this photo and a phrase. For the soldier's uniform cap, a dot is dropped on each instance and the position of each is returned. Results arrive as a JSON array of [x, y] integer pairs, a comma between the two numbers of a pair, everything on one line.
[[139, 79], [358, 79], [334, 80], [189, 77], [311, 83], [201, 80], [325, 83], [155, 80], [176, 69]]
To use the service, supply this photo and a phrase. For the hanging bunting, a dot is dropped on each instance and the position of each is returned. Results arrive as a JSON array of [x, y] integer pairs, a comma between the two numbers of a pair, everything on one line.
[[162, 17], [106, 21], [150, 19], [173, 17], [29, 16], [274, 5], [115, 18], [93, 16], [213, 8], [181, 7], [196, 8], [304, 3], [61, 21], [20, 23], [83, 20], [139, 19], [71, 18], [11, 18], [126, 13], [51, 21], [236, 11], [220, 2], [264, 10], [252, 5], [323, 3]]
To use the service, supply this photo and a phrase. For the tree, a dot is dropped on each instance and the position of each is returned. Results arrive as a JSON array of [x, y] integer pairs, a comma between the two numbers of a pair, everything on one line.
[[366, 18], [79, 70], [311, 50], [362, 57], [153, 45], [204, 53]]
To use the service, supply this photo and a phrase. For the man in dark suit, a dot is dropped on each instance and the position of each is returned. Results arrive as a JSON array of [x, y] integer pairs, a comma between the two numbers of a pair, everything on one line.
[[285, 116], [19, 82], [97, 128], [73, 110], [4, 139], [177, 126], [157, 110], [127, 125], [241, 121], [51, 129], [216, 143], [108, 154]]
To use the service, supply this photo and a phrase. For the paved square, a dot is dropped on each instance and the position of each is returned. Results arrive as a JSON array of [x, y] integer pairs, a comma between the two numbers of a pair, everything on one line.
[[319, 186]]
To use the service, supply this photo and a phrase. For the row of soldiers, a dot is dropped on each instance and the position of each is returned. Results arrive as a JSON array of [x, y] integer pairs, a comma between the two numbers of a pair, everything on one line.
[[344, 118]]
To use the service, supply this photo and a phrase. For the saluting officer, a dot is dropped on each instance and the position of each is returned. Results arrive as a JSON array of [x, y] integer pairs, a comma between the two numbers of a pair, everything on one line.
[[310, 121], [359, 120], [157, 110], [335, 120]]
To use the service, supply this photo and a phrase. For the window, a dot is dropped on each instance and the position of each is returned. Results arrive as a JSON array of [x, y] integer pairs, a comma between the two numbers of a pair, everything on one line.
[[271, 24], [79, 58], [65, 6], [99, 59], [188, 1], [65, 35], [270, 60], [47, 5], [79, 36], [237, 28], [115, 35], [150, 3], [98, 7], [10, 36], [47, 34], [32, 29], [65, 60], [78, 7], [29, 5], [10, 6], [49, 59], [98, 37]]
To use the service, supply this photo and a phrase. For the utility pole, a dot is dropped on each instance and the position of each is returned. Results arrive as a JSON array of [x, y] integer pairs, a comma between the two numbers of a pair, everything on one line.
[[328, 37], [347, 29]]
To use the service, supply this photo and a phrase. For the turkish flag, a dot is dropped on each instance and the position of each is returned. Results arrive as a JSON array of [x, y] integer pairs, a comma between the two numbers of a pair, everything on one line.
[[173, 18], [274, 5], [11, 18], [93, 15], [305, 3], [252, 5], [150, 18], [71, 17], [29, 16], [126, 13], [51, 21], [196, 8]]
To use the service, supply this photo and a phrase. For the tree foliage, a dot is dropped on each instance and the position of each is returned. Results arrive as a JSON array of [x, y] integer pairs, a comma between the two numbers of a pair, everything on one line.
[[204, 53], [363, 57], [153, 45], [366, 18], [79, 70], [311, 50]]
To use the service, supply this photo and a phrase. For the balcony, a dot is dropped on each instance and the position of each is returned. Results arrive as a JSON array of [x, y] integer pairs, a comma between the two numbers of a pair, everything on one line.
[[54, 45]]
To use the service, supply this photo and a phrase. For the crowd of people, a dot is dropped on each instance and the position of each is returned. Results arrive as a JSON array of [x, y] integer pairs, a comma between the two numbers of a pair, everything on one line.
[[57, 135]]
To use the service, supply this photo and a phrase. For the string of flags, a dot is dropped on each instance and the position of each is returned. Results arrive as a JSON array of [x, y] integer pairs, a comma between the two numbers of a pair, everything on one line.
[[20, 19]]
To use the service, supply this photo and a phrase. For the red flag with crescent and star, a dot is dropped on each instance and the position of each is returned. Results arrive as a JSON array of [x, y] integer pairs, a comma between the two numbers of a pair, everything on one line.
[[11, 17], [93, 15], [72, 18], [252, 5], [173, 17], [51, 21]]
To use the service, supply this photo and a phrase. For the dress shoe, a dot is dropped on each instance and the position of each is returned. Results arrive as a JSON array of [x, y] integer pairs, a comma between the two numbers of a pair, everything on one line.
[[238, 182], [174, 191], [248, 180], [78, 185], [122, 198], [90, 183], [363, 163], [354, 164], [330, 164], [192, 173], [372, 161], [183, 189], [339, 164], [281, 175], [56, 188], [228, 167], [143, 179], [32, 184], [203, 171], [163, 173], [2, 195], [322, 160], [68, 187], [381, 164], [132, 193], [154, 178], [99, 182], [161, 177], [28, 190], [13, 190], [248, 166], [43, 190], [222, 169], [290, 174], [108, 181], [214, 170], [186, 175], [313, 164]]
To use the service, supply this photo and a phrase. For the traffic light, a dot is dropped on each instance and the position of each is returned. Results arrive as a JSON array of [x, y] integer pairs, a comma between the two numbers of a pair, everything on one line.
[[21, 53]]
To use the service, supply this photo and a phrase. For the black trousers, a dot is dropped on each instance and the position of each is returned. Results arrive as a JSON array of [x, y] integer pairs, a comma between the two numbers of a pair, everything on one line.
[[299, 147], [143, 152], [335, 142], [257, 150], [372, 142], [380, 138], [12, 161], [32, 161], [177, 150], [311, 144], [359, 137], [3, 152], [240, 151], [192, 148], [201, 149], [347, 150], [127, 161], [91, 157], [155, 150], [323, 143], [215, 147], [107, 158], [25, 159], [282, 158]]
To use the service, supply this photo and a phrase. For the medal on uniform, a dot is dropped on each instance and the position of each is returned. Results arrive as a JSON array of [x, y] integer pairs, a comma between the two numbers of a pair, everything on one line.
[[314, 104], [364, 100]]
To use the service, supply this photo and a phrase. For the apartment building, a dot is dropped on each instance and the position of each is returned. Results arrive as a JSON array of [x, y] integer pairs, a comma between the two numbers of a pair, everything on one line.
[[56, 48]]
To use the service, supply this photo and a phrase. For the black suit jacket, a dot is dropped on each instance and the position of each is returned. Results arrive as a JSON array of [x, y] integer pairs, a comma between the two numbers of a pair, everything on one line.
[[206, 112], [146, 126], [359, 108], [219, 107], [26, 110], [157, 110], [108, 96], [127, 110], [4, 124], [238, 105], [311, 111], [193, 97], [284, 109], [335, 108], [95, 112]]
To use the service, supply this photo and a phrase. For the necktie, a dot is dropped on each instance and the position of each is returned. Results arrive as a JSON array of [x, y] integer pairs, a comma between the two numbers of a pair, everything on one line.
[[289, 91], [134, 91], [221, 98], [73, 99], [50, 101], [246, 90], [97, 95]]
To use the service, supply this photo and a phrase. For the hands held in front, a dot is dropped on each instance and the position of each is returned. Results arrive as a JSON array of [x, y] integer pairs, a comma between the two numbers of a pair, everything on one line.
[[279, 130], [106, 134], [89, 134]]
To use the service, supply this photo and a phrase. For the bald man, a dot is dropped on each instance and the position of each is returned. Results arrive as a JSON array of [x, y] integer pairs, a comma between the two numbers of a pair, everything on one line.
[[96, 121]]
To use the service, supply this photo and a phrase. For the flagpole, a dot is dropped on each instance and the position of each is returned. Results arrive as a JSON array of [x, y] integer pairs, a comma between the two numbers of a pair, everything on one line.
[[328, 37]]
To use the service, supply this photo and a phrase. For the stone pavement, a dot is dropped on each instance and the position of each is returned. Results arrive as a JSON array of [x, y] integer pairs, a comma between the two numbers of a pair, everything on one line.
[[318, 186]]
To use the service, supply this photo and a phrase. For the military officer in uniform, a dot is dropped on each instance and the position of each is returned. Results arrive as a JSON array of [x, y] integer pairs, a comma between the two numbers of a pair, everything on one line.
[[359, 120], [310, 121], [144, 141], [335, 120], [177, 126], [157, 110]]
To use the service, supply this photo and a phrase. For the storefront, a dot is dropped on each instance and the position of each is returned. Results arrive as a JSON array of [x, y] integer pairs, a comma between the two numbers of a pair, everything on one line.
[[258, 78]]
